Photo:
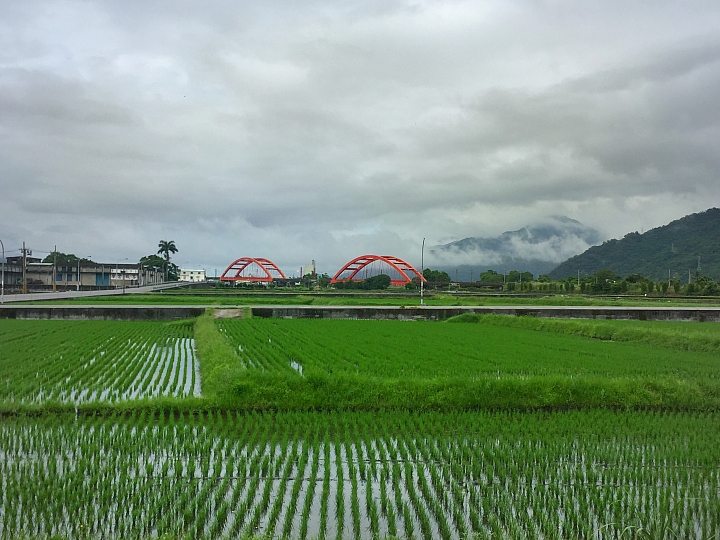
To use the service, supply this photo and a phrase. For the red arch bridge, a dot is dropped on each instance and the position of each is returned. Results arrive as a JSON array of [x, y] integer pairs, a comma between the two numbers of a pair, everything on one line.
[[252, 269], [258, 269], [366, 266]]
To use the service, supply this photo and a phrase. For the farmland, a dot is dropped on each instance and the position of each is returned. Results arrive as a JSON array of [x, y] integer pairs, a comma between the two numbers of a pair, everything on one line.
[[374, 365], [361, 475], [83, 361], [489, 427], [392, 349]]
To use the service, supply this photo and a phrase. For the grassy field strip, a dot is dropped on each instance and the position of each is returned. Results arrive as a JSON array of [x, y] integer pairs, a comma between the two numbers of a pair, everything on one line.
[[95, 361], [361, 475], [234, 299]]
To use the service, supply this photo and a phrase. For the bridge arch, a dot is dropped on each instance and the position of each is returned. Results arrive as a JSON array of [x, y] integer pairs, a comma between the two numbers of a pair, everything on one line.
[[252, 269], [352, 271]]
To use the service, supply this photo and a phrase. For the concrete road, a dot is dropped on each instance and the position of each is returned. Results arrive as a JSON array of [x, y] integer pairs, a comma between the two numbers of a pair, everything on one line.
[[63, 295]]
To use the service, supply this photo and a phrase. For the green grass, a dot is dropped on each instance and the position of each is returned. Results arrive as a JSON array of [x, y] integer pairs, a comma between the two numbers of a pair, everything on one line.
[[219, 360]]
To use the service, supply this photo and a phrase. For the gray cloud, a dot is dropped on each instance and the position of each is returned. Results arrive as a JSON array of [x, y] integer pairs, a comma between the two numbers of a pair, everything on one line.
[[323, 130]]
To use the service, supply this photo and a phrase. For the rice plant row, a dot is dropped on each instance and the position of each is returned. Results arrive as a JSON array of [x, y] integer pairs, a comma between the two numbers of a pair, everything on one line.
[[394, 349], [95, 361], [593, 474]]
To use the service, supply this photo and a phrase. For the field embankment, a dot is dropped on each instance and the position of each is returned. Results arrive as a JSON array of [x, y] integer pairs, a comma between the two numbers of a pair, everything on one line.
[[319, 299]]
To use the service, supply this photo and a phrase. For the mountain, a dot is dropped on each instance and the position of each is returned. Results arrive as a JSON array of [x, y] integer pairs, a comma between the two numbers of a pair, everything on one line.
[[675, 247], [536, 248]]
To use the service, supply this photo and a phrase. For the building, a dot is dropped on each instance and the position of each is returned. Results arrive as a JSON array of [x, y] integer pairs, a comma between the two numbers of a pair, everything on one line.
[[309, 269], [192, 275], [84, 275]]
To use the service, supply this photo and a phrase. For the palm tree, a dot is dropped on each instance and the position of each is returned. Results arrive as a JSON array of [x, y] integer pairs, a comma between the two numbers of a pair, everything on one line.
[[167, 247]]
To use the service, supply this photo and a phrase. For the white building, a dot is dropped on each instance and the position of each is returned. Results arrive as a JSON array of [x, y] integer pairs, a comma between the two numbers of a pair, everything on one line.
[[191, 275], [309, 269]]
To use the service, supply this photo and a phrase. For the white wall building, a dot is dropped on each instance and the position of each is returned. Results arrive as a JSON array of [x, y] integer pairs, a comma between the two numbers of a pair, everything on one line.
[[191, 275], [309, 269]]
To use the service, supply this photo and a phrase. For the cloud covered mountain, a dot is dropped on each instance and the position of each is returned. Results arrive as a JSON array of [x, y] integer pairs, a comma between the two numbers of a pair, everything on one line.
[[537, 248]]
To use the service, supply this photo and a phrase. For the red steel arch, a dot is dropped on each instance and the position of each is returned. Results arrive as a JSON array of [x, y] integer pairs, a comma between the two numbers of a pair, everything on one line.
[[234, 271], [358, 263]]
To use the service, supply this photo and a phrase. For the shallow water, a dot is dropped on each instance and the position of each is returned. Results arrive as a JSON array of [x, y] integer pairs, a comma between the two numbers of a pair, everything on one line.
[[157, 368], [120, 480]]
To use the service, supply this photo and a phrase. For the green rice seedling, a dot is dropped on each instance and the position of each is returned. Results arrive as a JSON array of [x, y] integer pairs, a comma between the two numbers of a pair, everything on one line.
[[280, 497], [310, 494], [291, 508], [588, 467], [339, 499], [407, 521], [325, 495]]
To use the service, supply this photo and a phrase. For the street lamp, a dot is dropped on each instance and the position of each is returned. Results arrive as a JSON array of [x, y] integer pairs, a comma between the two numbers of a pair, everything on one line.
[[2, 279], [422, 268]]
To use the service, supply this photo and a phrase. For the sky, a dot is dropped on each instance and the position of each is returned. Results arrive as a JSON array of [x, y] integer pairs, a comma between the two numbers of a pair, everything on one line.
[[327, 130]]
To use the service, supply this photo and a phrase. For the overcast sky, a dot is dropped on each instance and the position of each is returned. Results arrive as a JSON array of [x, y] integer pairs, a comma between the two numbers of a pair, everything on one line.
[[326, 130]]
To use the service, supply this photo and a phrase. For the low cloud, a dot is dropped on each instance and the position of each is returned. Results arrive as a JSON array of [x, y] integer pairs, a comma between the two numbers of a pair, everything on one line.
[[553, 239]]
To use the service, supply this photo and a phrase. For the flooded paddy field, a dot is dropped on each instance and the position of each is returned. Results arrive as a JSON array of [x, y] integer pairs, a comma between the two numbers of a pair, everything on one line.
[[96, 361], [590, 474]]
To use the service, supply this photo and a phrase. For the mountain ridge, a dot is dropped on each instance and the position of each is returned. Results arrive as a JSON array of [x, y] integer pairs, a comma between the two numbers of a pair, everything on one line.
[[673, 248]]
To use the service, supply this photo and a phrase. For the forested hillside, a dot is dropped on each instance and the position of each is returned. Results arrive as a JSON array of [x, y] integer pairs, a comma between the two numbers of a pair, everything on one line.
[[675, 247]]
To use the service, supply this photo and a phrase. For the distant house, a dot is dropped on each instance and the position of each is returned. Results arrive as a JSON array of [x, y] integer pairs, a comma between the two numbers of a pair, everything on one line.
[[85, 275], [191, 275]]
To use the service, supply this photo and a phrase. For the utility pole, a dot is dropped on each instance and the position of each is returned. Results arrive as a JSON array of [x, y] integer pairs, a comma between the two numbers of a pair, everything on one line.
[[54, 272], [2, 279], [24, 264], [471, 275], [422, 269]]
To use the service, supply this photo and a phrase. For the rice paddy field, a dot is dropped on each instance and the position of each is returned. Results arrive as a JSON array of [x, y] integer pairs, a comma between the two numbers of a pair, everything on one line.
[[398, 349], [84, 361], [492, 427], [595, 474]]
